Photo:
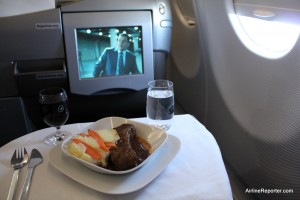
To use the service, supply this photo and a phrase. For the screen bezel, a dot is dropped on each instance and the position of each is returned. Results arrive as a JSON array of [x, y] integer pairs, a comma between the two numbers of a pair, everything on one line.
[[110, 84]]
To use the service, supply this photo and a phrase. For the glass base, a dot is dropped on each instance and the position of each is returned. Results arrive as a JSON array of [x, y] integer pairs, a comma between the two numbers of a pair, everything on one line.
[[163, 124], [165, 127], [56, 138]]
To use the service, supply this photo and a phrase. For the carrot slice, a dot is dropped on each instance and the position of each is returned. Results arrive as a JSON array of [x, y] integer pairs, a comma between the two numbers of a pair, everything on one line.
[[99, 140], [110, 144], [89, 150]]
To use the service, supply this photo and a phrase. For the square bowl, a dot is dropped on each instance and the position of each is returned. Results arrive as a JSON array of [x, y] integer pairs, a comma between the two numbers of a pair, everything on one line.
[[156, 137]]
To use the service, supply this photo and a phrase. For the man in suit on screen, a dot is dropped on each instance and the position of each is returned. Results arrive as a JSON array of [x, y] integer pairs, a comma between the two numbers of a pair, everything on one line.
[[117, 61]]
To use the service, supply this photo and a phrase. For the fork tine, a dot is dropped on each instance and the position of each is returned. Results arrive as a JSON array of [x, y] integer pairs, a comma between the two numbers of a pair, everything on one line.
[[20, 153], [25, 152]]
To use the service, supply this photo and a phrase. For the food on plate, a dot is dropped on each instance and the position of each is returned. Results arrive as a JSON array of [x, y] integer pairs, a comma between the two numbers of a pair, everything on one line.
[[130, 150], [117, 149], [93, 146]]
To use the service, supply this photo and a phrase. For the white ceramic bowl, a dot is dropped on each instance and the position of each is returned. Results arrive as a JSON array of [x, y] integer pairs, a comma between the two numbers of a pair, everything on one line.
[[156, 137]]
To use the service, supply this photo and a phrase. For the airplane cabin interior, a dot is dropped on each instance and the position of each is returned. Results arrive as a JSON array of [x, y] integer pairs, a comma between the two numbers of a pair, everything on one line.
[[234, 64]]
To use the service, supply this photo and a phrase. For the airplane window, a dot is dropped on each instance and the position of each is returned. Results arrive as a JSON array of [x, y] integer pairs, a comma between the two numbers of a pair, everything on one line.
[[267, 31]]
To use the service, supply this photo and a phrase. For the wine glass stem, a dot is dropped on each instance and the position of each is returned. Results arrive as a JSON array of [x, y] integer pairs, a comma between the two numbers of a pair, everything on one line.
[[59, 134]]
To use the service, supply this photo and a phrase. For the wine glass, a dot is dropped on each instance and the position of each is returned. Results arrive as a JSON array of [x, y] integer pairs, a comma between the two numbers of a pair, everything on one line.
[[55, 112]]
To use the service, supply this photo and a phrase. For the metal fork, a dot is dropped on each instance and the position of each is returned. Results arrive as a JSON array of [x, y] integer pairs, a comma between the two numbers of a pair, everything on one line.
[[18, 160]]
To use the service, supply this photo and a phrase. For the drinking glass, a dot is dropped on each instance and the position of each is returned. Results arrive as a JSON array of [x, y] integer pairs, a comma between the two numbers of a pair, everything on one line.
[[55, 112], [160, 103]]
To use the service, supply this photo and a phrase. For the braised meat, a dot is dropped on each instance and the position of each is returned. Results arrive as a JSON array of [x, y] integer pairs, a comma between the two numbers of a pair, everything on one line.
[[129, 152]]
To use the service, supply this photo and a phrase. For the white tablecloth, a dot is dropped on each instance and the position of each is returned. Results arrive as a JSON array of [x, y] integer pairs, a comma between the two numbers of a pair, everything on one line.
[[197, 171]]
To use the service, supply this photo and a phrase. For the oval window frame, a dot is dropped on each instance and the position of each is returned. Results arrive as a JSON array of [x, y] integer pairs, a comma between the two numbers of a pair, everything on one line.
[[254, 25]]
